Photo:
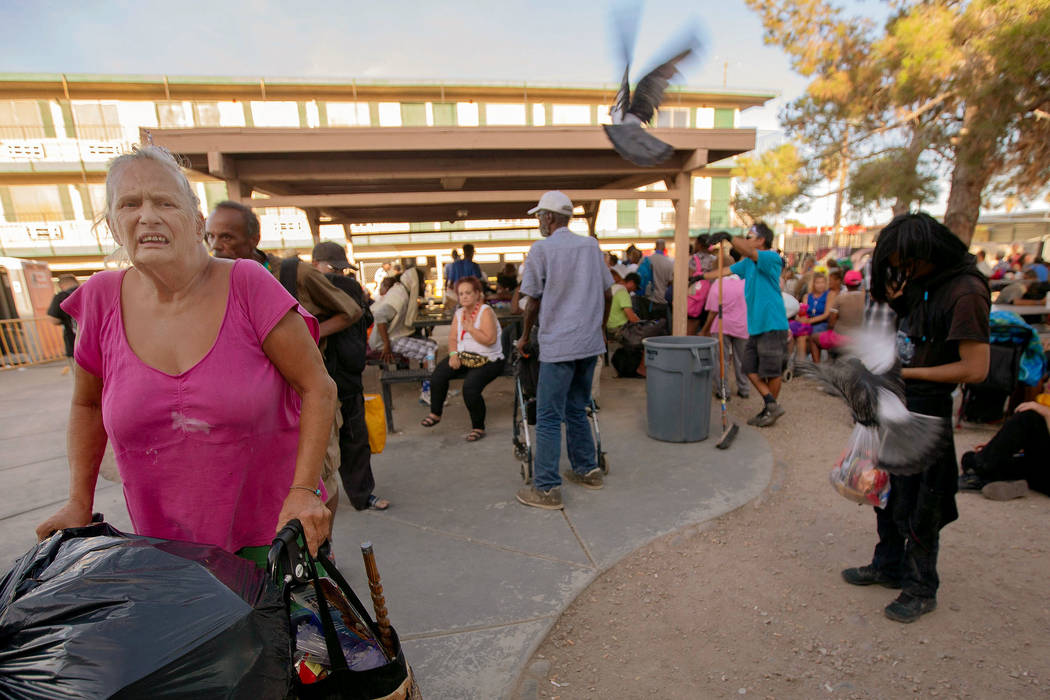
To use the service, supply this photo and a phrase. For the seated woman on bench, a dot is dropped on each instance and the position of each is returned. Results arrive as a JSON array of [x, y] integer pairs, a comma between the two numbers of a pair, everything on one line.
[[474, 353]]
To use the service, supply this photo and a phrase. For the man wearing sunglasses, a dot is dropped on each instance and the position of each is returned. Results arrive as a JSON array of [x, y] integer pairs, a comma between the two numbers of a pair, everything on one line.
[[767, 326]]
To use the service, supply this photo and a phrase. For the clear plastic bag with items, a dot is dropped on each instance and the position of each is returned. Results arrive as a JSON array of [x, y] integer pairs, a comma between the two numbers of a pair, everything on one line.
[[856, 475]]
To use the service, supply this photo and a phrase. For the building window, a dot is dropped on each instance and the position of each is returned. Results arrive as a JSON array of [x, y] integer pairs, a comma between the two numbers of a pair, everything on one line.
[[413, 114], [36, 203], [20, 119], [725, 118], [504, 115], [275, 114], [720, 195], [97, 120], [627, 213], [206, 114], [348, 114], [539, 115], [389, 114], [672, 118], [571, 114], [467, 114], [174, 115]]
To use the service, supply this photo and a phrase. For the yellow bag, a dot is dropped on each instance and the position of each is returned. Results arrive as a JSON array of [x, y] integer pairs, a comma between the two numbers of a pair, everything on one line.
[[375, 419]]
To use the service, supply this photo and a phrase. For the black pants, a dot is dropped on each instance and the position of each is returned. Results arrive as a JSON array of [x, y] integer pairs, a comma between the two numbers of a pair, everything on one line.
[[999, 460], [355, 456], [909, 527], [476, 380]]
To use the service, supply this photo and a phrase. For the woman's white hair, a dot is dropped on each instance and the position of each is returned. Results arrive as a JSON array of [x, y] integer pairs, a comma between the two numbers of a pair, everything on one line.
[[154, 154]]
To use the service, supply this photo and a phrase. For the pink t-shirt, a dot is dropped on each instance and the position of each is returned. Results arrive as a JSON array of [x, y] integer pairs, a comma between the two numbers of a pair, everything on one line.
[[734, 306], [207, 455]]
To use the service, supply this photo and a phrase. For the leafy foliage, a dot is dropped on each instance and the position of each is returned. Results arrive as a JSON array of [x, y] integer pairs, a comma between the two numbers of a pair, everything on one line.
[[771, 183], [957, 85]]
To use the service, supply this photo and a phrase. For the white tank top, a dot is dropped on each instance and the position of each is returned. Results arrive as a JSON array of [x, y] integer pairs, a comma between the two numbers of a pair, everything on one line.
[[466, 342]]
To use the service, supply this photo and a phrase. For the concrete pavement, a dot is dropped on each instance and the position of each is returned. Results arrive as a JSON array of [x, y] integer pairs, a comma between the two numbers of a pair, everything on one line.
[[473, 580]]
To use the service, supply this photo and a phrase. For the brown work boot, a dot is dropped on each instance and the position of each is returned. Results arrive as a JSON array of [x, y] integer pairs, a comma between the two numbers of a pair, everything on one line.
[[548, 500], [591, 480]]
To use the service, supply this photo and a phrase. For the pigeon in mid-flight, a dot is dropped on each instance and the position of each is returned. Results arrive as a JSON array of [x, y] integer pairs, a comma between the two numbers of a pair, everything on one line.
[[629, 112], [868, 380]]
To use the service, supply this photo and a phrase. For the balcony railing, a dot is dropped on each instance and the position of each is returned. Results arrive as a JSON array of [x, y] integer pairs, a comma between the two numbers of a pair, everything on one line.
[[42, 150]]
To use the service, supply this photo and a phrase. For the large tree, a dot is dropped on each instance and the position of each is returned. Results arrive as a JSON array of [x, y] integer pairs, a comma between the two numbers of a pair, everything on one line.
[[771, 183], [963, 85]]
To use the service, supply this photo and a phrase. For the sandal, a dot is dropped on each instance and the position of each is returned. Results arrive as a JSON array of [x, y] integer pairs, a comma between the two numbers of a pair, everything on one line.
[[475, 435], [376, 503], [429, 421]]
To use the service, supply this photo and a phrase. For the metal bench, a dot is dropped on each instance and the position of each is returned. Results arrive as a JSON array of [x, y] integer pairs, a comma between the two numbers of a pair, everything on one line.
[[388, 377], [398, 376]]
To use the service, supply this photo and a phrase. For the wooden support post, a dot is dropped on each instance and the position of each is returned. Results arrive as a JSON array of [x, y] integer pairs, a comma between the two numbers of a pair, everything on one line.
[[683, 189], [314, 217]]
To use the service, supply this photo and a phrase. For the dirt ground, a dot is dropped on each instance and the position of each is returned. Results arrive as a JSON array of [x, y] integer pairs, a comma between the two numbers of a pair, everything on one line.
[[753, 604]]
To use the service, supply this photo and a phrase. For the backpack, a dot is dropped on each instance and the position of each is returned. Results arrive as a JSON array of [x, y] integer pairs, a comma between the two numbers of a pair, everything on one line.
[[626, 360], [344, 352]]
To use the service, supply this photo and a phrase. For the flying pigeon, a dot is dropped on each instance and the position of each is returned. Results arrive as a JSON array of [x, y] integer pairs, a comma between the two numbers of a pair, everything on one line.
[[630, 112], [868, 379]]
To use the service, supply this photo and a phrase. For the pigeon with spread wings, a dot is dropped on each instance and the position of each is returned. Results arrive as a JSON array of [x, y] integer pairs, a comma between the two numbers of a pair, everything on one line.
[[868, 379], [629, 112]]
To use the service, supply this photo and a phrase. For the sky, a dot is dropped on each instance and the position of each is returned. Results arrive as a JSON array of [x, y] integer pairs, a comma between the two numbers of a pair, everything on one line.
[[542, 41]]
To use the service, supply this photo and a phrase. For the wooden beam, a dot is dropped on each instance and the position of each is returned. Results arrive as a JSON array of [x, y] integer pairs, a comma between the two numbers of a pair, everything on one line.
[[396, 199], [418, 167], [570, 140], [221, 166], [696, 160], [681, 254], [313, 216]]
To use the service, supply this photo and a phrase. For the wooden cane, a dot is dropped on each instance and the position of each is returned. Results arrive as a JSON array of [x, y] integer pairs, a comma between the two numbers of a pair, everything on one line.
[[386, 636]]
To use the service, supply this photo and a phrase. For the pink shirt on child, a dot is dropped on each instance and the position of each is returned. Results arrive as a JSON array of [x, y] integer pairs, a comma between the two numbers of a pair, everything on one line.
[[734, 306], [207, 455]]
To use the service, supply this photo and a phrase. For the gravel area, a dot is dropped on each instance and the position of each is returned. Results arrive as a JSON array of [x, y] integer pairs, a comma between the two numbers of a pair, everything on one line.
[[752, 603]]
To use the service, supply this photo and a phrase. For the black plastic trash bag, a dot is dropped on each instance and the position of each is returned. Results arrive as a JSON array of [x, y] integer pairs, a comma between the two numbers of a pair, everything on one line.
[[94, 613]]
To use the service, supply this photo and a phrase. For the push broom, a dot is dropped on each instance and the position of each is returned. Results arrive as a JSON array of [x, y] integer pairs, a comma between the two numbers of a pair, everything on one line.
[[729, 429]]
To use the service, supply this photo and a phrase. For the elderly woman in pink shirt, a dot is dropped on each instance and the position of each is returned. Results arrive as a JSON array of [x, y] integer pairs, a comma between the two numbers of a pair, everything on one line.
[[203, 373]]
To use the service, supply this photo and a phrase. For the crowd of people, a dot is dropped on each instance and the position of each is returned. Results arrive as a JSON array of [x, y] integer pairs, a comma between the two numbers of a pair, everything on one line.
[[254, 363]]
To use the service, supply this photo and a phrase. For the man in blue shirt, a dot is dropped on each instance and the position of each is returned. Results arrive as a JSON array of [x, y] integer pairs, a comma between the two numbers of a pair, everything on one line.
[[567, 283], [465, 267], [767, 325]]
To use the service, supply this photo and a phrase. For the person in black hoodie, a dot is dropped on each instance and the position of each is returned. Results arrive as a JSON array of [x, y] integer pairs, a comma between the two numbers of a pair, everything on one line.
[[924, 272], [344, 358]]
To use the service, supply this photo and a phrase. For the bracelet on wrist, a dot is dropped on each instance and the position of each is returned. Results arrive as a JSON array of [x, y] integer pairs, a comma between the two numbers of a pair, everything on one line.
[[454, 352], [316, 492]]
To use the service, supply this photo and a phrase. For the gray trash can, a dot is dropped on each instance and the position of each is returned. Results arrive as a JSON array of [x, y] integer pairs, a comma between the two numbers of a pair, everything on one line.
[[678, 386]]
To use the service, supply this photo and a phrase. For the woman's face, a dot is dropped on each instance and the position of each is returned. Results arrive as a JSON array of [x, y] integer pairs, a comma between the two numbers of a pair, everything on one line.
[[151, 215], [467, 295]]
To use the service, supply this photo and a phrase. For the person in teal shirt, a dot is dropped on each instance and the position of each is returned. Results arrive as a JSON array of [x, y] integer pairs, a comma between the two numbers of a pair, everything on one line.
[[767, 324]]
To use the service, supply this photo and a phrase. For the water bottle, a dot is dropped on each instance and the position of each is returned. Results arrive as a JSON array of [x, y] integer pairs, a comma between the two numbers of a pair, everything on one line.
[[424, 395], [430, 361]]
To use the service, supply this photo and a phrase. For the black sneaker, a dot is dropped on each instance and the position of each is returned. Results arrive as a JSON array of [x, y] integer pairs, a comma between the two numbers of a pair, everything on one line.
[[968, 481], [908, 608], [869, 575]]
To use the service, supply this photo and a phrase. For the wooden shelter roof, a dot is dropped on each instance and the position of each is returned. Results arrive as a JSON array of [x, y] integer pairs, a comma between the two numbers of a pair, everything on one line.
[[374, 175]]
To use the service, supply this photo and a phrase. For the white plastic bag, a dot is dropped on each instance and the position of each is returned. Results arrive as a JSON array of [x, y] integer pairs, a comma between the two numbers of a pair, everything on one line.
[[855, 475]]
